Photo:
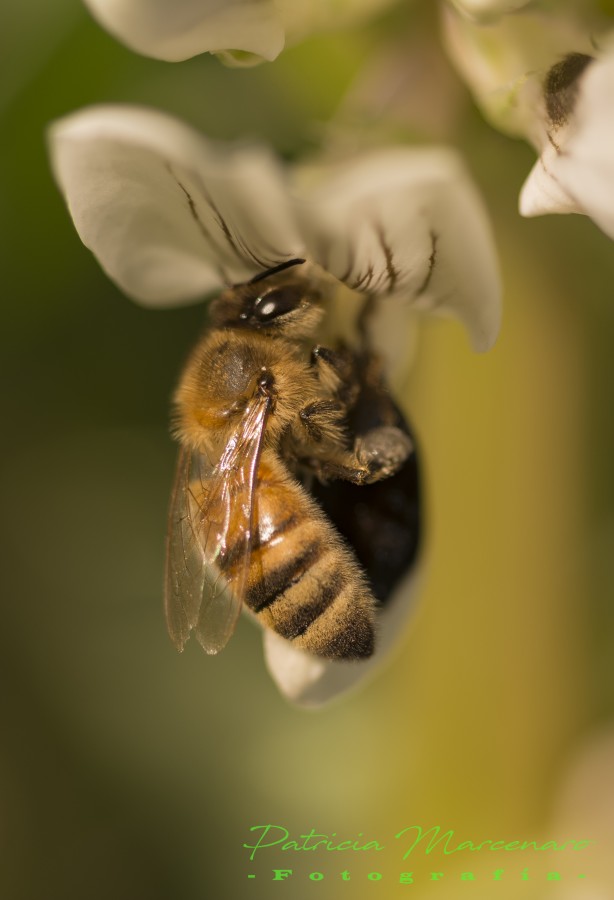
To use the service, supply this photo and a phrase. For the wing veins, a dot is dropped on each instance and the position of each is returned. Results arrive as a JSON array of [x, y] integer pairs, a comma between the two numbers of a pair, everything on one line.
[[205, 512]]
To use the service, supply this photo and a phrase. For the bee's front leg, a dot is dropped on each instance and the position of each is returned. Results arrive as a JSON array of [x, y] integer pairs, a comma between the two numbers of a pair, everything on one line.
[[377, 455], [336, 372], [383, 451], [322, 443]]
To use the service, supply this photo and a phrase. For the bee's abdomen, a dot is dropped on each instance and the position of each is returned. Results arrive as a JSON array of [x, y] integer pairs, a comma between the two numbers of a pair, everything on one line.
[[303, 582]]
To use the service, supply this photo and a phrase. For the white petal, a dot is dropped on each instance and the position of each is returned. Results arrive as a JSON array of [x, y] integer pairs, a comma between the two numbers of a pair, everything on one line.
[[177, 29], [310, 682], [409, 223], [586, 163], [169, 216], [578, 175], [542, 192]]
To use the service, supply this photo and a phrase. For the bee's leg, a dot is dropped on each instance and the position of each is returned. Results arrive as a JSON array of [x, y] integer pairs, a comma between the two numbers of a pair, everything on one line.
[[322, 420], [336, 372], [383, 451], [353, 432], [319, 441], [376, 455]]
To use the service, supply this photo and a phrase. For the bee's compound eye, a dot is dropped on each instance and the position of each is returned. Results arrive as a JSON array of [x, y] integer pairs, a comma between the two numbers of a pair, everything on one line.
[[277, 301]]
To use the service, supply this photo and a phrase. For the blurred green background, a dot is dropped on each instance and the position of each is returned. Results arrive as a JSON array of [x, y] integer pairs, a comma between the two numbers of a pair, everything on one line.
[[127, 771]]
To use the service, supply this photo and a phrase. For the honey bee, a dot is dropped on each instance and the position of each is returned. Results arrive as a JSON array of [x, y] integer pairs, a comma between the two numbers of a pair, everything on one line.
[[261, 414]]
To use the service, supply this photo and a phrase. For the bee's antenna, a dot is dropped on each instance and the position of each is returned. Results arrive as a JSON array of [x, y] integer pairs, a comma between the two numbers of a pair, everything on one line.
[[276, 269]]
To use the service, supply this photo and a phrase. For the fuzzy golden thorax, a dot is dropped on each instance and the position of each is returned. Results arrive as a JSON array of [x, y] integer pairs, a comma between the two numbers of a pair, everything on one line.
[[221, 377]]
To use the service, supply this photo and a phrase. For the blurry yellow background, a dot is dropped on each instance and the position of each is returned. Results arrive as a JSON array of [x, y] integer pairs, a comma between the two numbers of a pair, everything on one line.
[[127, 771]]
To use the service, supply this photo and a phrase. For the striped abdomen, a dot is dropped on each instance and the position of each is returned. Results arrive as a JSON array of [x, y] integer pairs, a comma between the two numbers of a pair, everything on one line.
[[303, 581]]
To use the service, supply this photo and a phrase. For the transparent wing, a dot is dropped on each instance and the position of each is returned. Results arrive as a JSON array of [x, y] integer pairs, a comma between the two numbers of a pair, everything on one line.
[[210, 533]]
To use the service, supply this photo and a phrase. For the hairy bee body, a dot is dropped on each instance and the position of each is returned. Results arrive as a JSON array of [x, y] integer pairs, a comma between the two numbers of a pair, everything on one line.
[[302, 580], [257, 406]]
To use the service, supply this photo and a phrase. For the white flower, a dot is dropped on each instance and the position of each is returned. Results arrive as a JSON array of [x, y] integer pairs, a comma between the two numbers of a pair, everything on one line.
[[575, 172], [172, 217], [242, 31], [548, 76], [505, 62]]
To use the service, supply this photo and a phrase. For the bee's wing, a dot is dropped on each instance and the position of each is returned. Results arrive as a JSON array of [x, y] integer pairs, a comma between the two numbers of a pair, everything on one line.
[[210, 534]]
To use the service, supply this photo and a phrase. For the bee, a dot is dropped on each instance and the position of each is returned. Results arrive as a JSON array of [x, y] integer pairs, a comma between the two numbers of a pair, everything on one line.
[[261, 413]]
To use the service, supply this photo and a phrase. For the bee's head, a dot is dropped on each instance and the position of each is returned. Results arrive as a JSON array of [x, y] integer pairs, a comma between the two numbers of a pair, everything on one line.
[[278, 302]]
